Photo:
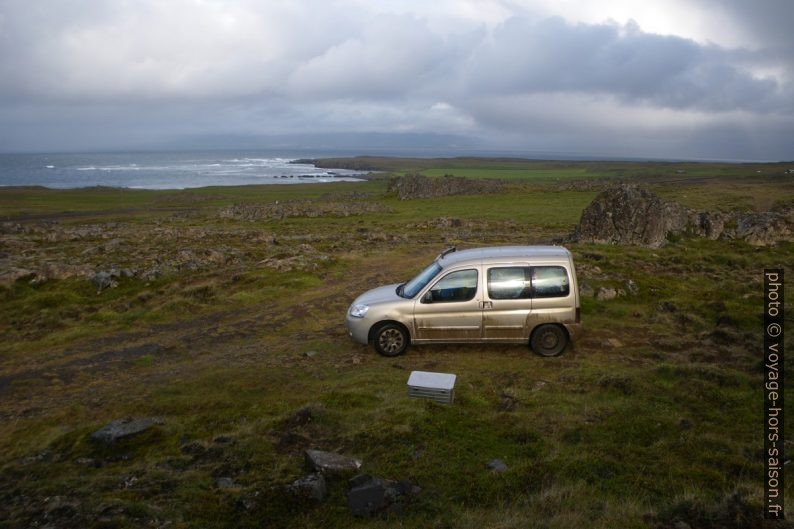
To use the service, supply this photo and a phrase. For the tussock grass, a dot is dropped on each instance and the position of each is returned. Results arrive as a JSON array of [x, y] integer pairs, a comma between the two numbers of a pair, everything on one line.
[[662, 428]]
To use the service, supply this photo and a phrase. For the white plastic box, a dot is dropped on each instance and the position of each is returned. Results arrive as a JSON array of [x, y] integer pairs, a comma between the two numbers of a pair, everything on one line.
[[439, 387]]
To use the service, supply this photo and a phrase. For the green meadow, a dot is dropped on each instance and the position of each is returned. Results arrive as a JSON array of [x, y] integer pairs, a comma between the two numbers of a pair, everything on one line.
[[231, 331]]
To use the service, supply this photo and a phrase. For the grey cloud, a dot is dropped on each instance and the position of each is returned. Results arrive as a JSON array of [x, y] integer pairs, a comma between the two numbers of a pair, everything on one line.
[[102, 72], [551, 55]]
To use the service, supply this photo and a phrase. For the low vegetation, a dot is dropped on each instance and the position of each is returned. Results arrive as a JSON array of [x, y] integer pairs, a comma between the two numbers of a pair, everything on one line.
[[226, 321]]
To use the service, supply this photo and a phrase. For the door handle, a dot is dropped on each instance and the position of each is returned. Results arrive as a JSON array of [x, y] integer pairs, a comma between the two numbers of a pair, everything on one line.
[[486, 305]]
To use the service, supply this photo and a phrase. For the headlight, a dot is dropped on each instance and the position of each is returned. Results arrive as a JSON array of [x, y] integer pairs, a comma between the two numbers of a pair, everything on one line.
[[358, 310]]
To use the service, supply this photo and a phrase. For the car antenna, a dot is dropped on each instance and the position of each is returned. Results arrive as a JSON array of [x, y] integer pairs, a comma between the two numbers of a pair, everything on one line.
[[446, 252]]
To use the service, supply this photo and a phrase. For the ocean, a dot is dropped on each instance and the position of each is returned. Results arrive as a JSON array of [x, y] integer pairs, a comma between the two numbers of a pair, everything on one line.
[[164, 170]]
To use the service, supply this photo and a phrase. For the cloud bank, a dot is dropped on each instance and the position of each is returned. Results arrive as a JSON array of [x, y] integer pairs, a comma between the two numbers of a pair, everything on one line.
[[531, 76]]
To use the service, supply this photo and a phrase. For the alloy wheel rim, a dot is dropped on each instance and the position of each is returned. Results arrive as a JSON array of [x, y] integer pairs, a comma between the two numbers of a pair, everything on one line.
[[391, 340]]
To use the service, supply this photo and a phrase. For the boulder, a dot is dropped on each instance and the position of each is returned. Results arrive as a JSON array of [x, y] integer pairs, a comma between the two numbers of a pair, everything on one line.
[[124, 428], [310, 487], [105, 279], [627, 214], [331, 463], [371, 495], [605, 294]]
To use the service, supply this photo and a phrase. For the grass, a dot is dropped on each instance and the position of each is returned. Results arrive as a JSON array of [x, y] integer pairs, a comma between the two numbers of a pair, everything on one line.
[[511, 174], [660, 429]]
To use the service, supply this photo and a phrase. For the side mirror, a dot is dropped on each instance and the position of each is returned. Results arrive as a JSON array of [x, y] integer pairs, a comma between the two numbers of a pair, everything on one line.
[[428, 297]]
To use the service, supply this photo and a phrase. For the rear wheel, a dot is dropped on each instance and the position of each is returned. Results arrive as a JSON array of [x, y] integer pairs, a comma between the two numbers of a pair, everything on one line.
[[390, 339], [548, 340]]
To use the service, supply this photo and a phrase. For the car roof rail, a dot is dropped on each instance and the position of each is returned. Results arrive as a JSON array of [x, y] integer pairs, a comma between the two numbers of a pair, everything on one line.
[[446, 252]]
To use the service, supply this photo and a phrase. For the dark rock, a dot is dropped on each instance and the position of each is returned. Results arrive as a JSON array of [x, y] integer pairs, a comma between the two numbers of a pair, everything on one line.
[[330, 463], [371, 495], [586, 290], [303, 416], [225, 483], [310, 487], [497, 465], [124, 428], [102, 280]]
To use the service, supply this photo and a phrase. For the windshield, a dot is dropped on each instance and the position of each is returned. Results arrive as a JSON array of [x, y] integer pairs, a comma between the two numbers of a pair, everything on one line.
[[412, 287]]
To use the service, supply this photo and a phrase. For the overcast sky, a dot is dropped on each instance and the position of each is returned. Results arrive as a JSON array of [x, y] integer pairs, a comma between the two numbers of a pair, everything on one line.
[[658, 78]]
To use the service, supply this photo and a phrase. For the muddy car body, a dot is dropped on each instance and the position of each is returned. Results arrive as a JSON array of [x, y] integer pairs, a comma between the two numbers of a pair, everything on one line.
[[506, 294]]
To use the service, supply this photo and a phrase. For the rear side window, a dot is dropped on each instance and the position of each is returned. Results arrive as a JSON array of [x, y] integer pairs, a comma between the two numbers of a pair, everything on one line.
[[509, 283], [550, 282]]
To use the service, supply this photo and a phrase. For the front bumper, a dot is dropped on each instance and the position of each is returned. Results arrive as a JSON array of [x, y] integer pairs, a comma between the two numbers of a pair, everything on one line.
[[358, 329]]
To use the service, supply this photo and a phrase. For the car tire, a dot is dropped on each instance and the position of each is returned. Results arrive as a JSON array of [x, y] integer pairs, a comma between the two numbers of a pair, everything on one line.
[[548, 340], [390, 339]]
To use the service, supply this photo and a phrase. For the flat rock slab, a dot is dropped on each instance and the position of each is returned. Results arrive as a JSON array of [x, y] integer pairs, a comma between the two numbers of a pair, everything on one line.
[[124, 428], [330, 463]]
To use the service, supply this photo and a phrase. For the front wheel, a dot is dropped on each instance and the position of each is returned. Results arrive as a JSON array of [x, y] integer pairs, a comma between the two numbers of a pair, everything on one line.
[[390, 340], [548, 340]]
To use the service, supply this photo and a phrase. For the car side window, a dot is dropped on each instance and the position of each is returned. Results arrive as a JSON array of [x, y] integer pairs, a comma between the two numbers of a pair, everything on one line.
[[550, 282], [456, 286], [509, 283]]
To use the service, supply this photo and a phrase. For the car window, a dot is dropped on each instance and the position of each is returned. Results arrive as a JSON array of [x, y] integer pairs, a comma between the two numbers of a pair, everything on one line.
[[549, 282], [412, 287], [509, 283], [456, 286]]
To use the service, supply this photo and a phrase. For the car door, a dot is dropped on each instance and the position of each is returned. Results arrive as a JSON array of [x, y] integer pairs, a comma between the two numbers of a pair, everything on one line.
[[449, 310], [507, 302]]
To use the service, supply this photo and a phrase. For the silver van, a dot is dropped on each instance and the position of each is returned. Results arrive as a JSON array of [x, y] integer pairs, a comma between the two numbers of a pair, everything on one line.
[[506, 294]]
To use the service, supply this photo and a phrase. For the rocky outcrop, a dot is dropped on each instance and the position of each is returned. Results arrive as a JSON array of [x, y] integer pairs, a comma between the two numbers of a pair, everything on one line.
[[419, 186], [300, 208], [630, 215], [627, 214]]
